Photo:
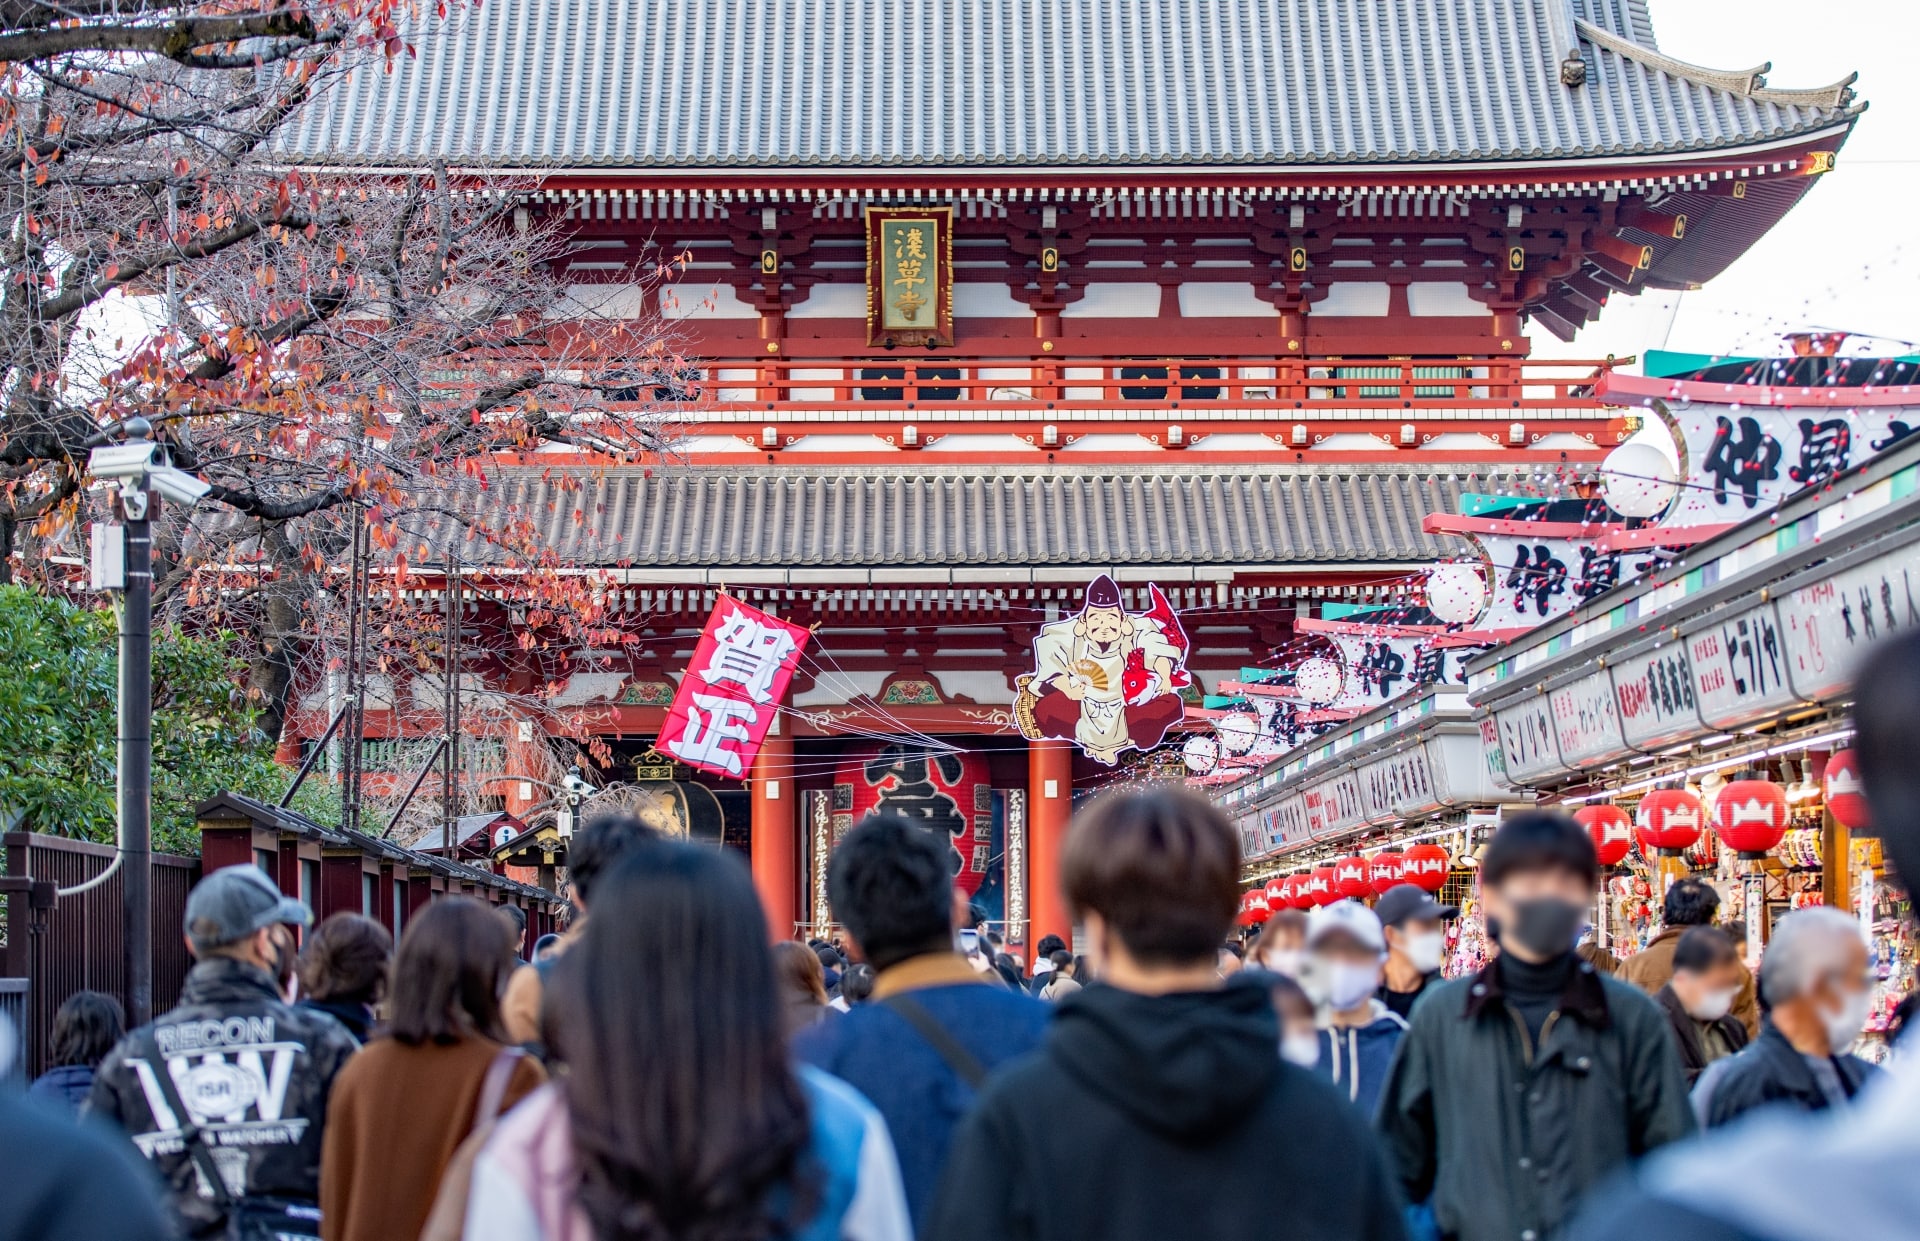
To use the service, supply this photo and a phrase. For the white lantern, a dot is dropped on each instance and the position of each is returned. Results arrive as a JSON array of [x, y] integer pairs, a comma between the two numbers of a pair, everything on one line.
[[1237, 731], [1319, 680], [1202, 754], [1637, 480], [1456, 592]]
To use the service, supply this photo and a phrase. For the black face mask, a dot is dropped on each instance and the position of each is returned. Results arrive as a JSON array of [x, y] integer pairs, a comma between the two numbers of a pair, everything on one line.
[[1545, 927]]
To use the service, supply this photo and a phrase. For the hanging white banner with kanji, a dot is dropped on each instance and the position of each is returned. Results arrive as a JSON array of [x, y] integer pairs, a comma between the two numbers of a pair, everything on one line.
[[733, 687]]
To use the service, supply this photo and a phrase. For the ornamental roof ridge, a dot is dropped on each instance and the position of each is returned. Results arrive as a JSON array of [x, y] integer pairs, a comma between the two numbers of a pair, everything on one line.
[[1751, 83]]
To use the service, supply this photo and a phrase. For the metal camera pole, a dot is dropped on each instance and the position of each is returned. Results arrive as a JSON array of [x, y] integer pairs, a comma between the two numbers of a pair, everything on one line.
[[136, 739]]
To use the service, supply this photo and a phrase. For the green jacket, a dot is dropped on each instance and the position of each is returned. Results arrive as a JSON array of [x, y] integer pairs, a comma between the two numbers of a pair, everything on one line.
[[1505, 1138]]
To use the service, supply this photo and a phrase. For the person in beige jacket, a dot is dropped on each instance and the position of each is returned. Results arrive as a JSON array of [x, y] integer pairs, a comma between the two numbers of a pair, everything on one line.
[[1689, 903]]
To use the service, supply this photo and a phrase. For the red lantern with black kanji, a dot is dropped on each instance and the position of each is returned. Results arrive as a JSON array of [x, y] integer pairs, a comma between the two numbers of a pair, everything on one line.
[[1668, 820], [1320, 889], [1846, 798], [1611, 829], [948, 794], [1426, 866], [1386, 870], [1353, 877], [1751, 817]]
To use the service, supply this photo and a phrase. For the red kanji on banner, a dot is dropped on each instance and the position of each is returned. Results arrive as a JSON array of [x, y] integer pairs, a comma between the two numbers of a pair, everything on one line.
[[727, 699]]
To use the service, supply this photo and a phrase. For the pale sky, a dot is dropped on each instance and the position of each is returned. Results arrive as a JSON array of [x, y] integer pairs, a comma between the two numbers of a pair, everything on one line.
[[1847, 256]]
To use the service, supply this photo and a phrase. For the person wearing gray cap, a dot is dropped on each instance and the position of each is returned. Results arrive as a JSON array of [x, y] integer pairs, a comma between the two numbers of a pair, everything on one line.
[[227, 1093], [1415, 926]]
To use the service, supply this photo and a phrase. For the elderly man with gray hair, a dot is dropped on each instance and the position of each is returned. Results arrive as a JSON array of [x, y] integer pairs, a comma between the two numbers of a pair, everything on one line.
[[1818, 989]]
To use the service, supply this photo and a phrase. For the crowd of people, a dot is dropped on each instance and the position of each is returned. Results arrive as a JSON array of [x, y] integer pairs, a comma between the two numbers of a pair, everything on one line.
[[660, 1072]]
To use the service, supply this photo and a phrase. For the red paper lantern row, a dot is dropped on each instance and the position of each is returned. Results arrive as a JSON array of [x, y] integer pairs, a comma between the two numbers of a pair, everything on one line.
[[1426, 865], [1320, 889], [1253, 908], [1387, 865], [1277, 893], [1669, 820], [1611, 829], [1751, 817], [1302, 891], [1353, 877], [1845, 796]]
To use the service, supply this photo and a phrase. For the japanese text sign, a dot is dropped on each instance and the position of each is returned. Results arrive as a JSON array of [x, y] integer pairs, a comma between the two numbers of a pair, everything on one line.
[[1739, 667], [910, 275], [733, 687]]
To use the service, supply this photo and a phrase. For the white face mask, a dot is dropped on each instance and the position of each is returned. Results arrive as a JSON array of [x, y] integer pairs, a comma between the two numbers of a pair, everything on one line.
[[1426, 952], [1286, 961], [1844, 1027], [1349, 984], [1301, 1049], [1714, 1005]]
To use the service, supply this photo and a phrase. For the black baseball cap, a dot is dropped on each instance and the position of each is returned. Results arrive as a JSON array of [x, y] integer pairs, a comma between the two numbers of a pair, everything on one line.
[[1405, 900]]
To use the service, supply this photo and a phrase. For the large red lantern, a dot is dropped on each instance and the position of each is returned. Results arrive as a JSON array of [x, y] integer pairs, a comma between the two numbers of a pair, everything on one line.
[[1320, 889], [1426, 866], [1386, 870], [1353, 877], [1845, 797], [1751, 817], [1258, 911], [1302, 891], [1277, 892], [949, 794], [1668, 820], [1611, 829]]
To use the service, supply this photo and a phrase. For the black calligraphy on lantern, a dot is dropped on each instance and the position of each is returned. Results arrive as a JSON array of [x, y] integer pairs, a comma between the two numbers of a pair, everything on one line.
[[1824, 448], [1380, 668], [1537, 574], [914, 794], [1742, 461]]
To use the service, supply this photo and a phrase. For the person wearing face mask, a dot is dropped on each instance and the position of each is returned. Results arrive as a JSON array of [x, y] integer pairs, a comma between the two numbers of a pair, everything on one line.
[[1415, 928], [261, 1068], [1815, 981], [1282, 946], [1521, 1087], [1699, 999], [1346, 953]]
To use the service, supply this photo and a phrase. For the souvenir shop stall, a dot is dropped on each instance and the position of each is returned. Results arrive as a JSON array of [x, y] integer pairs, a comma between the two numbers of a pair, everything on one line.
[[1401, 794], [1696, 719]]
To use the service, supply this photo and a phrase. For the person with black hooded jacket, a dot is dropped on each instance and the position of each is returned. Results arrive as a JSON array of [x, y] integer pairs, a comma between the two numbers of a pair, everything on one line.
[[1159, 1103]]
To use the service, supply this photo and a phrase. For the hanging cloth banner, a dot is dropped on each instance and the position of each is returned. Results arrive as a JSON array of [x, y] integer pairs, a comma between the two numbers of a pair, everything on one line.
[[727, 699], [910, 276]]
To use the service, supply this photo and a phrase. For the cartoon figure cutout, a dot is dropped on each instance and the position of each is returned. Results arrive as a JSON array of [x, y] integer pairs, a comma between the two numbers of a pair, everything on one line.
[[1106, 679]]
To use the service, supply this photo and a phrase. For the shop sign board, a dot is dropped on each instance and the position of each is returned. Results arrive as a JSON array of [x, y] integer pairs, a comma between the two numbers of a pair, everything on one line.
[[1340, 802], [1410, 777], [1493, 756], [1527, 739], [1739, 662], [1586, 721], [1655, 694], [1376, 791], [1831, 623], [1292, 817], [1460, 765]]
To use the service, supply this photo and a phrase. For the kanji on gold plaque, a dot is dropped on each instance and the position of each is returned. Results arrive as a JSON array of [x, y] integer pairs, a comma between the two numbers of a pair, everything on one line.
[[910, 275]]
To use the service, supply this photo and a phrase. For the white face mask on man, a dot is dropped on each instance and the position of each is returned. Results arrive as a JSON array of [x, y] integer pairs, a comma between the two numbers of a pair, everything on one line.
[[1349, 983], [1844, 1026], [1426, 951], [1713, 1005]]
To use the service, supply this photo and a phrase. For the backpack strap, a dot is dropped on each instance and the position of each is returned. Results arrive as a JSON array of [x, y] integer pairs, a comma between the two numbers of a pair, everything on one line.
[[493, 1090], [193, 1140], [965, 1065]]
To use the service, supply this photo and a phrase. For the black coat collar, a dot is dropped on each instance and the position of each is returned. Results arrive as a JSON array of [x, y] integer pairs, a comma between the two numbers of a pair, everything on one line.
[[1585, 996]]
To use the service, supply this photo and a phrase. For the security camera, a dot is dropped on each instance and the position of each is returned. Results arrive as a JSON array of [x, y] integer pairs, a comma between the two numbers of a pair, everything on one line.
[[178, 486], [576, 788], [127, 460]]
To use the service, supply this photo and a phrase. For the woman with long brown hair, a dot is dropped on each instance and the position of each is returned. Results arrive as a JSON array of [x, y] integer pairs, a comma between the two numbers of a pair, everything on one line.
[[679, 1116], [403, 1105]]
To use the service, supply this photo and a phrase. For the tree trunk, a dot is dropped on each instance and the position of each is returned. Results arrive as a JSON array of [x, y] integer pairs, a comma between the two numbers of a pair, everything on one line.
[[270, 679]]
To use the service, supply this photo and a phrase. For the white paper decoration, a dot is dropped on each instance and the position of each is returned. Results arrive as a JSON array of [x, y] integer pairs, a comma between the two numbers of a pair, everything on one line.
[[1319, 680], [1638, 480], [1202, 754], [1237, 731], [1456, 592]]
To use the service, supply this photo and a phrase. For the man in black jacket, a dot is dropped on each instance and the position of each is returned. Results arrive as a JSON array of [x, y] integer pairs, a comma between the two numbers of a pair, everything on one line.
[[1818, 990], [1698, 1001], [1520, 1087], [234, 1069], [1158, 1104]]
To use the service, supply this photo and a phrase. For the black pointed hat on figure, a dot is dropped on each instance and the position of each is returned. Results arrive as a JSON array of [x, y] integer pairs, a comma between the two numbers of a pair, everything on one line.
[[1102, 593]]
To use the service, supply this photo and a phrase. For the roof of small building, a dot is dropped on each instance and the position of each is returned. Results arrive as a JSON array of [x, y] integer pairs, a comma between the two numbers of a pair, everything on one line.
[[690, 85]]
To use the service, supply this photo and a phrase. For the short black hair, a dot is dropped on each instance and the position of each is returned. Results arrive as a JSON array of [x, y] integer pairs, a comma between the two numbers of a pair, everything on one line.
[[85, 1028], [1540, 840], [515, 915], [1690, 903], [1048, 945], [1161, 868], [599, 844], [1702, 948], [890, 887], [830, 957], [856, 986], [1060, 957]]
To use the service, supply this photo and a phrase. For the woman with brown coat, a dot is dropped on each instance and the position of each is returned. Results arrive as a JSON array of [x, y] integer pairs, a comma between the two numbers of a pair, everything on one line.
[[403, 1105]]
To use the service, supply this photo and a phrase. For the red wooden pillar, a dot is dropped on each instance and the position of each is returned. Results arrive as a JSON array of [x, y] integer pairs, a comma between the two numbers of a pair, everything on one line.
[[1050, 806], [774, 834]]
